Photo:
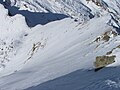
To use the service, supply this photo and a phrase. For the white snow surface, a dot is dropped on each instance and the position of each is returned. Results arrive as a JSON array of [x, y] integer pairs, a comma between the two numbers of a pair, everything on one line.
[[82, 10], [62, 46]]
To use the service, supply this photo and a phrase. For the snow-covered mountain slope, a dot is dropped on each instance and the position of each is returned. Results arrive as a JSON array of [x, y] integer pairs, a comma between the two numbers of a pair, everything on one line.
[[71, 8], [105, 79], [81, 10], [32, 56]]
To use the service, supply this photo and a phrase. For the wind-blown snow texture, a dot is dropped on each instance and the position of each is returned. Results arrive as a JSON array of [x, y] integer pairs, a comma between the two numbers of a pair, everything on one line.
[[52, 44]]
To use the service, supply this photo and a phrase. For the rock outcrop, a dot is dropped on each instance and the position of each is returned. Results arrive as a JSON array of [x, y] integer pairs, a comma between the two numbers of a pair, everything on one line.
[[102, 61]]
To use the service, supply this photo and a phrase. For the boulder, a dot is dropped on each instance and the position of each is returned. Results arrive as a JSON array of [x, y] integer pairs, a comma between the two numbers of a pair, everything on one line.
[[102, 61]]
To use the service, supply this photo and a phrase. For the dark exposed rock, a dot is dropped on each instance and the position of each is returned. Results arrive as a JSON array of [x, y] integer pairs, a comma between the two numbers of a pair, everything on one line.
[[118, 46], [106, 36], [102, 61], [110, 52]]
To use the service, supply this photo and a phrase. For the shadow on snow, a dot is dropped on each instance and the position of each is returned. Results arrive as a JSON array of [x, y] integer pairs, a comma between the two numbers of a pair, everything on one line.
[[34, 18], [83, 80]]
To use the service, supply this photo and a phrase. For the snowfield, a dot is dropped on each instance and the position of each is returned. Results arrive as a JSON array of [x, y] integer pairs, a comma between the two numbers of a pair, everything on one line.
[[60, 54]]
